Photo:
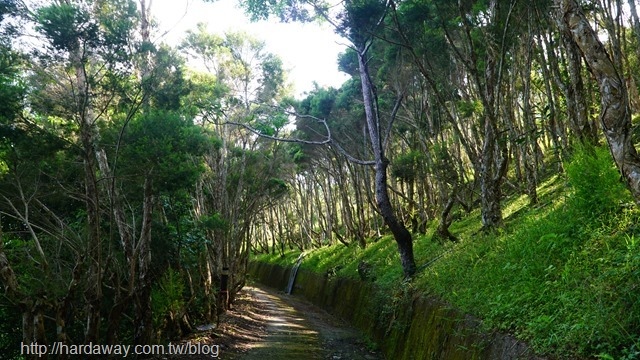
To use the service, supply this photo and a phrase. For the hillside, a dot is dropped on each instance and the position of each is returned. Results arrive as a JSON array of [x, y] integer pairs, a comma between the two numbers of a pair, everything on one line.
[[562, 275]]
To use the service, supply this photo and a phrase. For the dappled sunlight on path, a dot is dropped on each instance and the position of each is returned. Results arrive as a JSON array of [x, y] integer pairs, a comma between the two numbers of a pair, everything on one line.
[[289, 335], [264, 324], [296, 329]]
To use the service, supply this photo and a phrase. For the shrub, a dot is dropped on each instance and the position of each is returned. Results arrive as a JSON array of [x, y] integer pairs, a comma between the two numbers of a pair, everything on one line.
[[595, 181], [167, 300]]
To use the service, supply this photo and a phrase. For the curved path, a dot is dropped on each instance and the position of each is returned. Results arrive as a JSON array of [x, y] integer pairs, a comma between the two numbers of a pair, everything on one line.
[[295, 329]]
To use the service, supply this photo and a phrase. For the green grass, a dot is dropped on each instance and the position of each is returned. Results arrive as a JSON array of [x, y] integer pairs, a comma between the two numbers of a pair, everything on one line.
[[287, 259], [563, 275]]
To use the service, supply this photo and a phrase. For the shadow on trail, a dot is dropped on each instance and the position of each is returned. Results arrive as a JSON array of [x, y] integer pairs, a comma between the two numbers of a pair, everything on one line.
[[267, 325], [289, 335], [296, 329]]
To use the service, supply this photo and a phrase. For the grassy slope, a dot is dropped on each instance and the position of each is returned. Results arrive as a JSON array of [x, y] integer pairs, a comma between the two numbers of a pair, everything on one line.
[[563, 275]]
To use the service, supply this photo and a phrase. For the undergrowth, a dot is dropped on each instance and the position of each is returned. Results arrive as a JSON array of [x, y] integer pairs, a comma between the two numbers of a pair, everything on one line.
[[563, 275]]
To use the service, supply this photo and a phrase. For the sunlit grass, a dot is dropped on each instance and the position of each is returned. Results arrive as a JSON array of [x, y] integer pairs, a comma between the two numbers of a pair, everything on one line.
[[562, 275]]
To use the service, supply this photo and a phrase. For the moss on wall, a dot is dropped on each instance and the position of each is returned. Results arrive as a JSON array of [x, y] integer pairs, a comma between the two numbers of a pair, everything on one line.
[[404, 325]]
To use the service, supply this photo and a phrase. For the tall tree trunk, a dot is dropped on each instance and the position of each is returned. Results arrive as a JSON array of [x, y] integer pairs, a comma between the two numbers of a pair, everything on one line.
[[7, 275], [491, 177], [553, 128], [445, 218], [493, 167], [88, 138], [93, 292], [494, 156], [530, 129], [576, 100], [616, 115], [636, 23], [143, 319], [400, 233]]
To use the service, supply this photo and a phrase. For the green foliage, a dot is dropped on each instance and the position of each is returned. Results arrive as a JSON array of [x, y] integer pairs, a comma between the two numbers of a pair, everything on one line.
[[161, 144], [422, 22], [348, 63], [117, 18], [596, 184], [166, 85], [360, 19], [167, 297], [469, 108], [319, 103], [10, 330], [276, 187], [72, 27], [11, 90], [406, 167], [285, 10], [562, 277], [7, 7], [274, 78], [286, 259], [65, 25], [214, 222]]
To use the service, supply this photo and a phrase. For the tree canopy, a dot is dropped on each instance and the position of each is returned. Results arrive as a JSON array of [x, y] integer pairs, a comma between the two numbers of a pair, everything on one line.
[[138, 177]]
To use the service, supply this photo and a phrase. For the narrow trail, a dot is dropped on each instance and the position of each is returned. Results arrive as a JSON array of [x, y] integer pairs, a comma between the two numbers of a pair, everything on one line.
[[266, 324], [296, 329], [288, 334]]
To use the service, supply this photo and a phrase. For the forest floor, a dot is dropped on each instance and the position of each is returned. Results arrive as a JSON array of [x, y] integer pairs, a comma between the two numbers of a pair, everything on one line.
[[264, 324]]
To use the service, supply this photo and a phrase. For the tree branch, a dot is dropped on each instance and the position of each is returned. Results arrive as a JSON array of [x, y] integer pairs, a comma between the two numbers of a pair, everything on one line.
[[392, 118]]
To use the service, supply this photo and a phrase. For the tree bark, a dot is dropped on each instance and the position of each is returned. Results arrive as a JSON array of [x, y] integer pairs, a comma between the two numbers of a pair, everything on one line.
[[575, 92], [7, 275], [445, 218], [144, 324], [93, 292], [531, 143], [636, 23], [88, 138], [494, 157], [553, 128], [616, 115], [400, 233]]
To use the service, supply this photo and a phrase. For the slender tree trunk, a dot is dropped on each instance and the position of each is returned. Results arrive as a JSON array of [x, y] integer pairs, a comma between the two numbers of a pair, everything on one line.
[[445, 218], [558, 81], [88, 138], [553, 129], [7, 275], [531, 131], [636, 25], [93, 292], [494, 156], [400, 233], [493, 168], [491, 178], [143, 319], [579, 117], [616, 115]]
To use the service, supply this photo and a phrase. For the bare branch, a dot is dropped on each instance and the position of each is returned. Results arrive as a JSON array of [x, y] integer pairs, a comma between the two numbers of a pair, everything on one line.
[[278, 138], [392, 119], [351, 158], [328, 140]]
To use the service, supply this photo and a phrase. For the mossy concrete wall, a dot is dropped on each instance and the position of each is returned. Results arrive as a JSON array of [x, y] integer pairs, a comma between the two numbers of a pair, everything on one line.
[[405, 326]]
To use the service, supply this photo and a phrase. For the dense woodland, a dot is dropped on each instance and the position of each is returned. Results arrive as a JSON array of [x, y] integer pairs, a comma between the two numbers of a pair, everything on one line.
[[131, 184]]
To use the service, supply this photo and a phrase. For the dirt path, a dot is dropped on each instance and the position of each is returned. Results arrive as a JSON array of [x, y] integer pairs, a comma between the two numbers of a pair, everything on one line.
[[288, 334], [298, 330], [265, 325]]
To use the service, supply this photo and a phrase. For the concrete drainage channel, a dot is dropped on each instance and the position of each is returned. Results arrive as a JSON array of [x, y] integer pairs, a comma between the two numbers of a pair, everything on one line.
[[430, 329], [293, 273]]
